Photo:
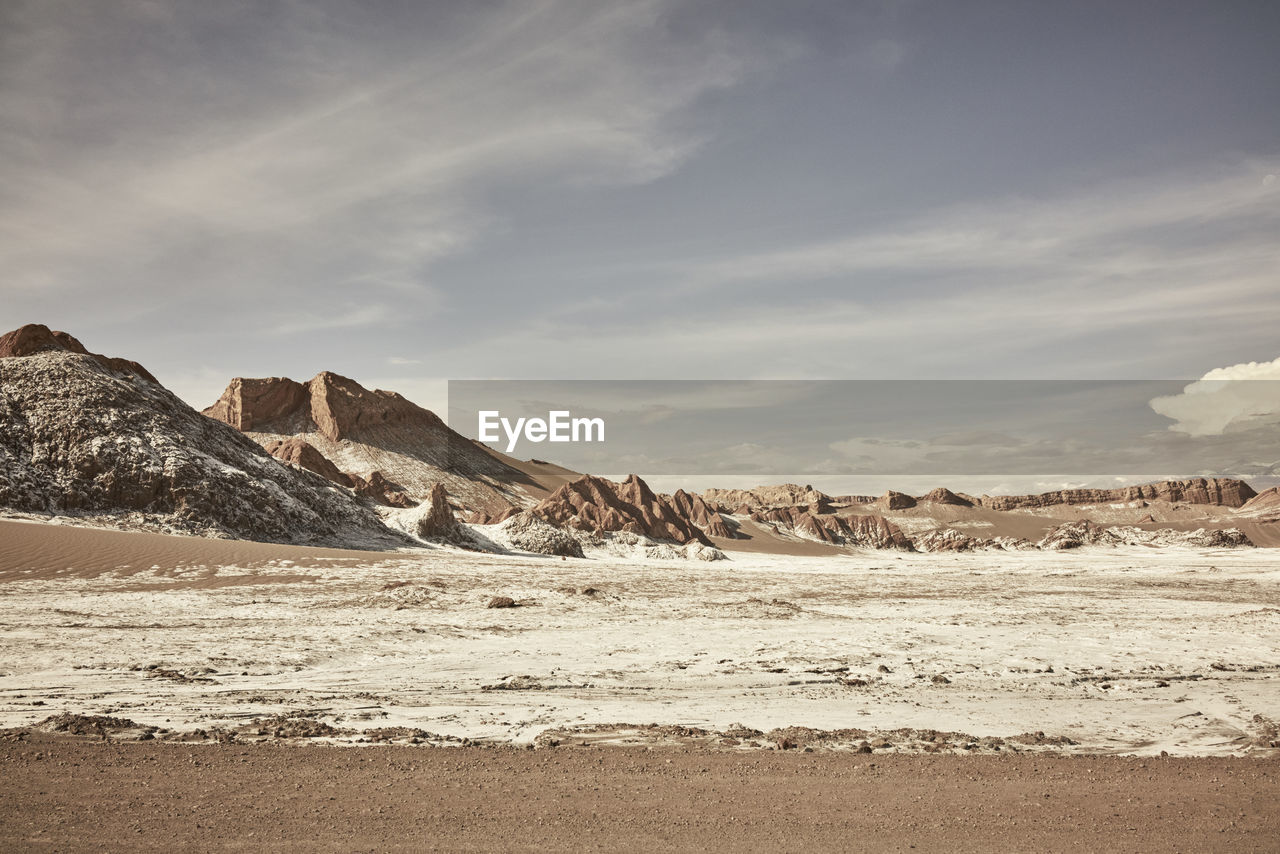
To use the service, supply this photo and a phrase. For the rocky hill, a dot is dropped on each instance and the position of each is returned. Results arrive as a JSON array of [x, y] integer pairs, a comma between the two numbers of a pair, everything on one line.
[[1265, 506], [92, 436], [866, 531], [380, 444], [595, 504]]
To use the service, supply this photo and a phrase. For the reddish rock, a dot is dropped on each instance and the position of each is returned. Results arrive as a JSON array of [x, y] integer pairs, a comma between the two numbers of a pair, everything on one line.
[[1221, 492], [596, 504], [304, 454], [38, 338], [377, 487], [942, 495], [438, 522], [693, 508], [897, 501], [764, 497], [329, 404], [248, 403]]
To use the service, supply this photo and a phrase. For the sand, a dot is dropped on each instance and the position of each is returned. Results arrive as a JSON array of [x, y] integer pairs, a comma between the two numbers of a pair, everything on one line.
[[1129, 651], [76, 796]]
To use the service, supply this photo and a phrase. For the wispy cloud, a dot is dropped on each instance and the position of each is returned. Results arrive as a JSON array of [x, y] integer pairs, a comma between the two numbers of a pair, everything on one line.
[[314, 152]]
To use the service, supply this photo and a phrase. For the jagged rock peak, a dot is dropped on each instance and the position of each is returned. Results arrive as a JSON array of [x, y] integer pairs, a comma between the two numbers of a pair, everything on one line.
[[595, 504], [36, 338]]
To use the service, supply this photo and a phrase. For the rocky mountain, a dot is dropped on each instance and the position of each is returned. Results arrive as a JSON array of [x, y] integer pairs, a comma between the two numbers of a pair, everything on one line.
[[379, 444], [595, 504], [92, 436]]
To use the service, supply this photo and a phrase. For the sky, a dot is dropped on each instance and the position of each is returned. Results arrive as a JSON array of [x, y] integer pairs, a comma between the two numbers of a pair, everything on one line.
[[411, 192]]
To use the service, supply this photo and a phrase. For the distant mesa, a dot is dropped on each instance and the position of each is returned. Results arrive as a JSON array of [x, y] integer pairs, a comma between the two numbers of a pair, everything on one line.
[[1217, 491]]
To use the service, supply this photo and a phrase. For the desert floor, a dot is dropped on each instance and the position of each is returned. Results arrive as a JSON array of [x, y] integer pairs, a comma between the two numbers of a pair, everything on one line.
[[63, 795], [1131, 651], [300, 699]]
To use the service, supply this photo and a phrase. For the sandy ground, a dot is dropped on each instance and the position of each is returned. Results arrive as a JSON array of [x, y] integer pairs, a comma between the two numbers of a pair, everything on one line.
[[1131, 651], [76, 796]]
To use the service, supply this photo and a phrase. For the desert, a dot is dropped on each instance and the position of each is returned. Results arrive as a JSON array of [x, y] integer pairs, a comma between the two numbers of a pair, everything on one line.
[[321, 567], [639, 425]]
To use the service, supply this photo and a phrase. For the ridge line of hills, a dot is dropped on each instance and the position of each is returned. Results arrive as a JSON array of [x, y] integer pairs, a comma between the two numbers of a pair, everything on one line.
[[329, 462]]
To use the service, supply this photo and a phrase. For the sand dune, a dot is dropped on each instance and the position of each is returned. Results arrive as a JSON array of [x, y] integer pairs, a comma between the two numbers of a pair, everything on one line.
[[40, 550]]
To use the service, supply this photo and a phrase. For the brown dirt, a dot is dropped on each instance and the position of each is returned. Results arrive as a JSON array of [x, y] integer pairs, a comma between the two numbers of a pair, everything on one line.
[[35, 551], [65, 794]]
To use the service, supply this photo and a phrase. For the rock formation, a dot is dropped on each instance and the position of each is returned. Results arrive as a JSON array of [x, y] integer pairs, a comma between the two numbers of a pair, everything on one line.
[[694, 509], [37, 338], [389, 448], [942, 495], [304, 454], [951, 540], [896, 501], [595, 504], [88, 435], [438, 521], [1085, 533], [1265, 506], [871, 531], [1221, 492], [529, 533], [764, 497]]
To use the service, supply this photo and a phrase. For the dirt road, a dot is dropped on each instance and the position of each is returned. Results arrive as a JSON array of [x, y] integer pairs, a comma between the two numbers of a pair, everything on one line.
[[70, 795]]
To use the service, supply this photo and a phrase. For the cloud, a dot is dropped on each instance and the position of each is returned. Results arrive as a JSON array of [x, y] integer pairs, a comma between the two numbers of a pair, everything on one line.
[[199, 155], [996, 289], [1237, 397]]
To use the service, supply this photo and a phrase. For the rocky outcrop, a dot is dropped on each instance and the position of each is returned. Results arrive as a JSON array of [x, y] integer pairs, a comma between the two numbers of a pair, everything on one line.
[[381, 490], [89, 436], [595, 504], [764, 497], [951, 540], [694, 509], [332, 405], [437, 521], [391, 449], [37, 338], [529, 533], [1221, 492], [942, 495], [304, 454], [896, 501], [869, 531], [251, 403], [1086, 533], [1265, 506]]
